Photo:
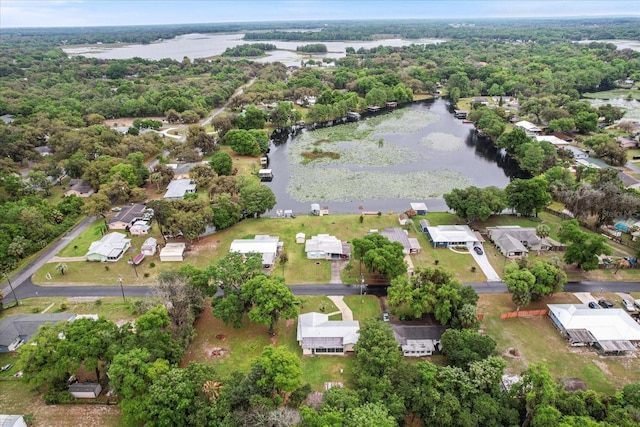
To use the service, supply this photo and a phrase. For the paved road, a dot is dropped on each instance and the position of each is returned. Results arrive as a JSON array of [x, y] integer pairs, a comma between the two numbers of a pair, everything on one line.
[[25, 274], [29, 290]]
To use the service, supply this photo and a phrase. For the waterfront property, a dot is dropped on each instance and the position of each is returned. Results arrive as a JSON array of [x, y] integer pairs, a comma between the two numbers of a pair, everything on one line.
[[516, 241], [397, 234], [324, 246], [445, 236]]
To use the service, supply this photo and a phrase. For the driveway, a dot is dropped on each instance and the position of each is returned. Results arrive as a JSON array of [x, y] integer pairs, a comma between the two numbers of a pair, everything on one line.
[[485, 265]]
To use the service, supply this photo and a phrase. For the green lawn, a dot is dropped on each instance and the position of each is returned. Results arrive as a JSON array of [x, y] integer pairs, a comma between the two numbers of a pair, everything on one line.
[[113, 309], [363, 307], [539, 341], [299, 269], [80, 245]]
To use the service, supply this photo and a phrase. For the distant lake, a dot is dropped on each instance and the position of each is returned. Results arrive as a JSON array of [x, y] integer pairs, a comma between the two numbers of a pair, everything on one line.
[[472, 161], [207, 45], [621, 44]]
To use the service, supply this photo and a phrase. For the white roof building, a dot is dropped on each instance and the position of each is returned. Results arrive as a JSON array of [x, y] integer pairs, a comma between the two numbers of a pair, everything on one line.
[[324, 246], [177, 188], [318, 335], [443, 236], [552, 139], [173, 252], [110, 248], [528, 126], [265, 245], [611, 329]]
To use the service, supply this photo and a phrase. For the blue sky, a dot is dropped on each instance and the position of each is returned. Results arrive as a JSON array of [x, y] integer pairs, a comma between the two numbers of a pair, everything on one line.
[[73, 13]]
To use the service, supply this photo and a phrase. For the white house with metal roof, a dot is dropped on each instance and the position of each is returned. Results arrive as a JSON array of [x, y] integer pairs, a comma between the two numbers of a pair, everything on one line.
[[611, 330], [324, 246], [528, 127], [319, 335], [110, 248], [267, 246], [444, 236], [177, 188]]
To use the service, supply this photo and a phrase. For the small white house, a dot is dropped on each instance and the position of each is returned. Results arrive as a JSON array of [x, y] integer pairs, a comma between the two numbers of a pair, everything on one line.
[[301, 237], [149, 246], [85, 390], [528, 127], [173, 252], [319, 335], [324, 246], [140, 228], [267, 246]]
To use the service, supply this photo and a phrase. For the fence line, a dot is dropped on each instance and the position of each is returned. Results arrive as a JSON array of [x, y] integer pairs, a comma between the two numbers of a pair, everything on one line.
[[524, 313]]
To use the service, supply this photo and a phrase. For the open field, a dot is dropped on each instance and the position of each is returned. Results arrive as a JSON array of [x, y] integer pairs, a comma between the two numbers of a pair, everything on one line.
[[240, 347], [540, 342], [113, 309]]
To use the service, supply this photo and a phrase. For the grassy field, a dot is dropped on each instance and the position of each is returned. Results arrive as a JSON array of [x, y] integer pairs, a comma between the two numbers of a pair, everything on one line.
[[540, 342], [240, 347], [113, 309]]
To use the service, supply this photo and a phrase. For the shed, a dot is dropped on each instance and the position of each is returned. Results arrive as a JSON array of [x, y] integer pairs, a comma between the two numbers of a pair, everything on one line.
[[424, 224], [420, 208], [140, 228], [173, 252], [85, 390], [301, 237], [402, 219], [315, 209], [149, 246]]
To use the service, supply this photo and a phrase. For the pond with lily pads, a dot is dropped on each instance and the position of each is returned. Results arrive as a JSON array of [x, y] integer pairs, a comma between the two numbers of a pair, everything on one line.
[[384, 162]]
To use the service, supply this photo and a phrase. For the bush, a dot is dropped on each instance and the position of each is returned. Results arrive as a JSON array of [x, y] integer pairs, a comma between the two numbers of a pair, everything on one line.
[[98, 302], [55, 397], [106, 267], [36, 310], [146, 275], [152, 264], [63, 307]]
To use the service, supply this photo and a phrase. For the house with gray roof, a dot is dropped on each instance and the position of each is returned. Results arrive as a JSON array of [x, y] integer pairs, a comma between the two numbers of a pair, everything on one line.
[[515, 241], [324, 246], [127, 217], [317, 334], [397, 234], [110, 248], [79, 188], [418, 340], [177, 188], [16, 330]]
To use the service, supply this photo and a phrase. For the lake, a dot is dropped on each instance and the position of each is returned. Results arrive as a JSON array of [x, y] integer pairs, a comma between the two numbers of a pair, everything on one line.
[[430, 155], [207, 45]]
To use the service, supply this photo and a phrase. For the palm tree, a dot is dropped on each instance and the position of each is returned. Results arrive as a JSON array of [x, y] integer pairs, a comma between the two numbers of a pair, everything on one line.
[[62, 268], [156, 178], [542, 231], [284, 258], [212, 389]]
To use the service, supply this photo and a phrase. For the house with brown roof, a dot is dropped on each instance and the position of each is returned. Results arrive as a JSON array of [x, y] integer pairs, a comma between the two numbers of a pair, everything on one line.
[[79, 188]]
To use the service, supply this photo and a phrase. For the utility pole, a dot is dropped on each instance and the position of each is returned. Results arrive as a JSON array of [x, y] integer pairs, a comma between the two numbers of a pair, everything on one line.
[[11, 287], [121, 288]]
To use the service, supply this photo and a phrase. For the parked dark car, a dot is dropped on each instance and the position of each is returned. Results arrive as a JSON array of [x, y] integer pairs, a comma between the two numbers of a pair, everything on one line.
[[478, 250], [605, 304], [593, 304]]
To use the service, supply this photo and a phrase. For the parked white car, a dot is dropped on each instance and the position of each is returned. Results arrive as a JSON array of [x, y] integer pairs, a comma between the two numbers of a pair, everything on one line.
[[628, 305]]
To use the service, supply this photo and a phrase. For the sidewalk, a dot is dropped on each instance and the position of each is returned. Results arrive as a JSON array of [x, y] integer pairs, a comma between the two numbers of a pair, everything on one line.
[[347, 314]]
